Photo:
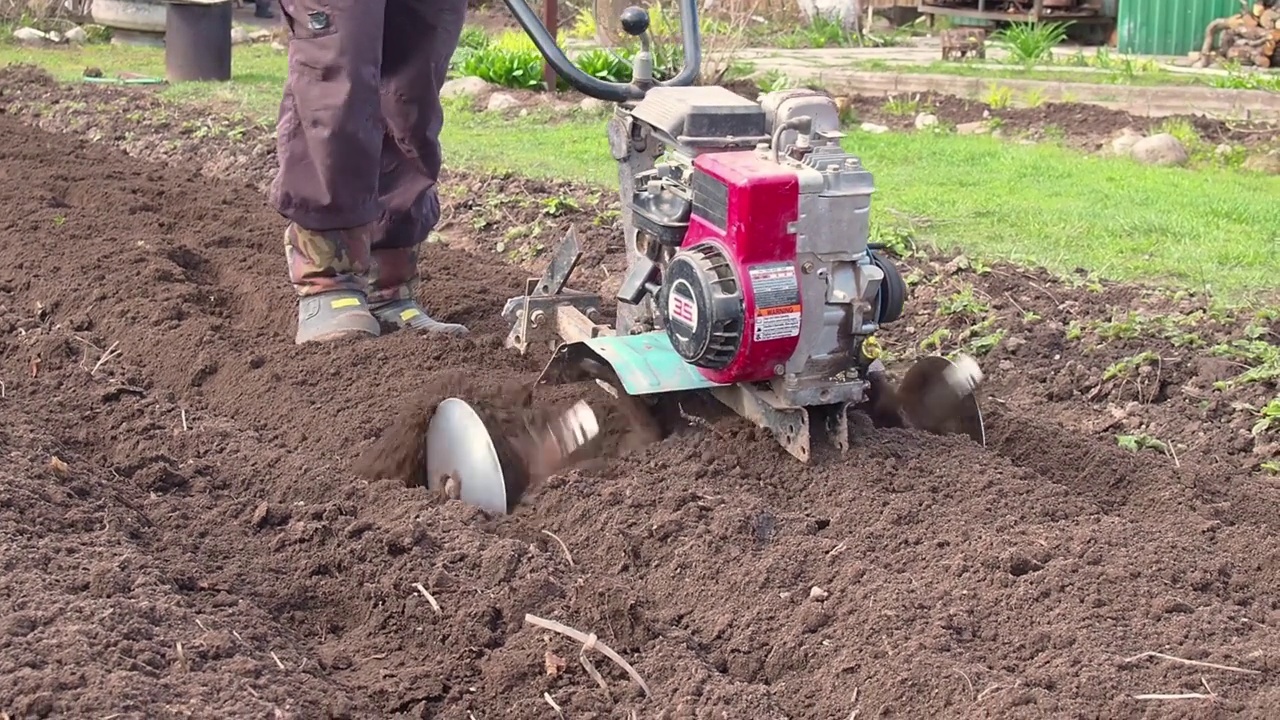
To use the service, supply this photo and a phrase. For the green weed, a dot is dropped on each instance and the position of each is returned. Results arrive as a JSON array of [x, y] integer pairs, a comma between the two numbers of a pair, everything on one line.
[[998, 97], [1129, 367], [1261, 358], [1031, 43], [902, 107], [933, 343], [1136, 443], [1268, 417], [963, 302], [773, 81]]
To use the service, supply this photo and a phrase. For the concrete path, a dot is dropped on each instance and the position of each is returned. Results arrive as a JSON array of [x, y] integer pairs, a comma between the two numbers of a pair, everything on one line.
[[834, 69]]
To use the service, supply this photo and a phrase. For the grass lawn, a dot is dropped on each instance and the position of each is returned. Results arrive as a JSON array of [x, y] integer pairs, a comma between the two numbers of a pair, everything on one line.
[[1216, 230]]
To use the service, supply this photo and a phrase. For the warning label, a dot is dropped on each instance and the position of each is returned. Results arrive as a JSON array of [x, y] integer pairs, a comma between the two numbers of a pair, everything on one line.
[[779, 322], [777, 296]]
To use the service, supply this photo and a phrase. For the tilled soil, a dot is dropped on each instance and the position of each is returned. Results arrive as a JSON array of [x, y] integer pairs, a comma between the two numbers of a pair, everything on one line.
[[1081, 125], [186, 533]]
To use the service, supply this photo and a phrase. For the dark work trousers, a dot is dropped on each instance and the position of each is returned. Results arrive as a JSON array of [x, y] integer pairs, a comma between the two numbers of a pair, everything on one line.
[[358, 139]]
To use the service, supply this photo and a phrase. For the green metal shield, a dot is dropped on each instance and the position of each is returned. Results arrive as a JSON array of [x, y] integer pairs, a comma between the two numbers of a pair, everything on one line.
[[645, 364]]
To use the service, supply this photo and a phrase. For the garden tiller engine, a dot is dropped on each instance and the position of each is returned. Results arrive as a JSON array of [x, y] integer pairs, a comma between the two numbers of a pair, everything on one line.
[[749, 272]]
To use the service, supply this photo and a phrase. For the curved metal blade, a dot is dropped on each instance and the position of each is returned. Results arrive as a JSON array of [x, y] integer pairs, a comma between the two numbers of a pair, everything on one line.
[[462, 454], [937, 396]]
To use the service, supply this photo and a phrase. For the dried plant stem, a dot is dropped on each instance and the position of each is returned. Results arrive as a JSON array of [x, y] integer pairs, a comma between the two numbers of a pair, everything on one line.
[[1197, 663], [434, 605], [589, 642], [563, 547]]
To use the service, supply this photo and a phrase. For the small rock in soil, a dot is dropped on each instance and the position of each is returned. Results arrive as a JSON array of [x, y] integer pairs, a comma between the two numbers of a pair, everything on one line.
[[30, 36], [973, 128], [1162, 149], [873, 128], [1123, 143], [926, 120], [77, 36], [465, 87], [239, 36], [817, 594], [502, 101]]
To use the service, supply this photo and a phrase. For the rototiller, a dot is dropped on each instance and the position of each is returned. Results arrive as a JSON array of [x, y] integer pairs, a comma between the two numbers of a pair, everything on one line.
[[749, 273]]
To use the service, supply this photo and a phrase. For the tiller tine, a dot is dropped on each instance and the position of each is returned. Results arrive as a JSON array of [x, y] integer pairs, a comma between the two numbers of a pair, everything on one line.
[[936, 395], [470, 459]]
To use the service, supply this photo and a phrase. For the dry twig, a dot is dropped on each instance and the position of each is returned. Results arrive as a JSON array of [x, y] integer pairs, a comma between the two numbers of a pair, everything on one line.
[[106, 357], [594, 673], [967, 681], [277, 659], [434, 605], [550, 701], [854, 701], [1173, 696], [563, 547], [589, 642], [1197, 663]]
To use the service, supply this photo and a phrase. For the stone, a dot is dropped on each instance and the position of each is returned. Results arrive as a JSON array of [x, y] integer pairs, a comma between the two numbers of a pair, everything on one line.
[[1163, 149], [30, 36], [239, 36], [77, 36], [973, 128], [926, 120], [465, 87], [55, 37], [1123, 143], [873, 128], [1224, 149], [502, 101], [1268, 164], [260, 35], [593, 105], [817, 594]]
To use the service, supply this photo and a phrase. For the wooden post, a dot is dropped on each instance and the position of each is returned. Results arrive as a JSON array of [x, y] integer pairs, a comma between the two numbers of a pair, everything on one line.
[[552, 21]]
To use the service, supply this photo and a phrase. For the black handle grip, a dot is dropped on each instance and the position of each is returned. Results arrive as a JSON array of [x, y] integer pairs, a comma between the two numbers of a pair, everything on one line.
[[595, 87]]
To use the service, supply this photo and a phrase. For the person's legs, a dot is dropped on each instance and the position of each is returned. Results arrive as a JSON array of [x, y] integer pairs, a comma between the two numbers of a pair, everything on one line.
[[329, 146], [419, 39]]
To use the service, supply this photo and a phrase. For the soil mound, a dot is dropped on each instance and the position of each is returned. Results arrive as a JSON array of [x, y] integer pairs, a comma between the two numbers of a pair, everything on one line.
[[184, 531]]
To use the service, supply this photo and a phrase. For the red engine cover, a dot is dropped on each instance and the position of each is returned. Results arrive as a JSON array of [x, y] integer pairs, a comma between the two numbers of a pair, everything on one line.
[[744, 203]]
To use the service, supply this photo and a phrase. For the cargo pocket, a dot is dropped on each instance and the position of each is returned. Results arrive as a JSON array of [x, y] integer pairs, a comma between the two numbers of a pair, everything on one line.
[[308, 19]]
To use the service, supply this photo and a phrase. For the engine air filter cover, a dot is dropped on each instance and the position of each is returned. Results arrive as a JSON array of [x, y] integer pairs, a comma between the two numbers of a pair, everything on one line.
[[702, 301]]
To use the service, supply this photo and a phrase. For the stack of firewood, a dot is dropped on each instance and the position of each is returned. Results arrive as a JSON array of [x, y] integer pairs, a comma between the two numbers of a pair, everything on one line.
[[1250, 38]]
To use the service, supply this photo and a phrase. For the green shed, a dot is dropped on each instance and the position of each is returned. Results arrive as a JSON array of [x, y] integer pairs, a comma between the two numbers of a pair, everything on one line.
[[1167, 27]]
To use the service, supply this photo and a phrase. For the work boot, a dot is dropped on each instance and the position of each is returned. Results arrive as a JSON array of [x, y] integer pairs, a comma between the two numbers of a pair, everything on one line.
[[392, 281], [402, 313], [335, 315]]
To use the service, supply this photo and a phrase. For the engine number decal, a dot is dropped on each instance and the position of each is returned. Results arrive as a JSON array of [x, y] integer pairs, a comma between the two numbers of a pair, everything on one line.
[[777, 296], [775, 285], [681, 307]]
